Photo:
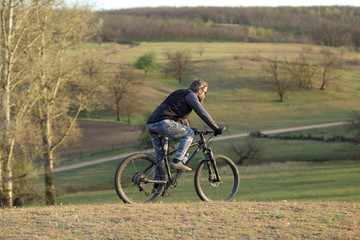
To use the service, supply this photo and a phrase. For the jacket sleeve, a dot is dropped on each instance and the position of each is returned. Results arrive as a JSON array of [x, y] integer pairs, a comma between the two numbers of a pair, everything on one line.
[[193, 100]]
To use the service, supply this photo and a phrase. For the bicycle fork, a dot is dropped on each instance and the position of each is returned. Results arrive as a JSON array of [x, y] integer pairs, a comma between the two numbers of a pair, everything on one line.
[[214, 177]]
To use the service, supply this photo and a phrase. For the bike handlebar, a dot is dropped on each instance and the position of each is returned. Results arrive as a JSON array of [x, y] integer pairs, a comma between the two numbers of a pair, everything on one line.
[[207, 131]]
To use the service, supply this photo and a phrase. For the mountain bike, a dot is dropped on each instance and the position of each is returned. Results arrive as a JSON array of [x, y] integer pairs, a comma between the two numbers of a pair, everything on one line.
[[216, 177]]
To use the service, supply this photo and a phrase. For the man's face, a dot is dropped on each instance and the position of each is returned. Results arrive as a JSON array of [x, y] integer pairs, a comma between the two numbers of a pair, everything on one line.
[[201, 93]]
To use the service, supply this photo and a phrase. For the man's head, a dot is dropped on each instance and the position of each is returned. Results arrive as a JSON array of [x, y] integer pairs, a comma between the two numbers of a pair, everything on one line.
[[200, 87]]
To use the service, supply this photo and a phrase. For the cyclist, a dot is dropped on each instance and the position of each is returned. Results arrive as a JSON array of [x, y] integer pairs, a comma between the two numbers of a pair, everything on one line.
[[170, 120]]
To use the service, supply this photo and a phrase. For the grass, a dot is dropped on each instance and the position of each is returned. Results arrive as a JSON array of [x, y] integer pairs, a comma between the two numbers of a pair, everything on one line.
[[235, 220], [292, 181]]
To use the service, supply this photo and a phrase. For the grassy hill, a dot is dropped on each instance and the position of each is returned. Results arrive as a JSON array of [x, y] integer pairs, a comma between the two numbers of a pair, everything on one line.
[[236, 220], [240, 98]]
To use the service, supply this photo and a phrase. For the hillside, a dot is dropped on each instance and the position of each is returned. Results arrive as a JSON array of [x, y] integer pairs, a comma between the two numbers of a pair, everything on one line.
[[331, 25], [235, 220]]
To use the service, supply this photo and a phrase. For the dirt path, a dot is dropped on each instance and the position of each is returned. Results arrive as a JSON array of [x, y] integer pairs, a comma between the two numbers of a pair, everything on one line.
[[102, 160]]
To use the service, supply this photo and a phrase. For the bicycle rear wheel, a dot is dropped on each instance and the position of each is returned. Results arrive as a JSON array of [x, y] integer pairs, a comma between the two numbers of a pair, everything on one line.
[[133, 179], [209, 188]]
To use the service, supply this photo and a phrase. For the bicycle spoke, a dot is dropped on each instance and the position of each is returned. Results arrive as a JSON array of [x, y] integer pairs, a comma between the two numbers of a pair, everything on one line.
[[210, 188], [132, 179]]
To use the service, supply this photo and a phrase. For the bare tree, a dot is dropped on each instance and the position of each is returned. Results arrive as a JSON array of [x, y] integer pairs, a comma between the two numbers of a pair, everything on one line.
[[328, 68], [18, 94], [279, 81], [248, 150], [65, 86], [301, 71], [131, 105], [333, 33], [120, 84], [179, 62]]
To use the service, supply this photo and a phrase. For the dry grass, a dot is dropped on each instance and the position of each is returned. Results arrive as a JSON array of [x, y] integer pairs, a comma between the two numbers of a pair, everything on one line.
[[236, 220]]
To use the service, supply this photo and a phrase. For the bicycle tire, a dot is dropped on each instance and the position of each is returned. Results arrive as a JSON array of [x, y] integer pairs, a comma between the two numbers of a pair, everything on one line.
[[211, 191], [130, 179]]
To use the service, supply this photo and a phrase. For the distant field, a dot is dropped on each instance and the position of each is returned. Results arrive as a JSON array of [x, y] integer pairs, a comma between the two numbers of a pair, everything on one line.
[[235, 220], [238, 94]]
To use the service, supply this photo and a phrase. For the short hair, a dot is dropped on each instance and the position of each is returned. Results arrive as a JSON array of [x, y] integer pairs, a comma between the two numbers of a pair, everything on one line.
[[198, 84]]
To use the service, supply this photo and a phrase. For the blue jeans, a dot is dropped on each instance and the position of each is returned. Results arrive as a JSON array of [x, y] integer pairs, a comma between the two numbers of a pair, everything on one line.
[[166, 129]]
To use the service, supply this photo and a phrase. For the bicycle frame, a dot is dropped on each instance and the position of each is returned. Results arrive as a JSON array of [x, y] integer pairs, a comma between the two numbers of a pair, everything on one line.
[[201, 146]]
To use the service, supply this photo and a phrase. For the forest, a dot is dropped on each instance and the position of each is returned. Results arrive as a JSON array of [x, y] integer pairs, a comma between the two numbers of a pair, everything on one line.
[[330, 26]]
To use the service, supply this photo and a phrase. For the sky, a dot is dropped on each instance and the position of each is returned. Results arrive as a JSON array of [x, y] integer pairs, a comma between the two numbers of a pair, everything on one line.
[[120, 4]]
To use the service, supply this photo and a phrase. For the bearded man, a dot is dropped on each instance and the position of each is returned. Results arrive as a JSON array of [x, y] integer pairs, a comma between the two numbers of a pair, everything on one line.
[[170, 120]]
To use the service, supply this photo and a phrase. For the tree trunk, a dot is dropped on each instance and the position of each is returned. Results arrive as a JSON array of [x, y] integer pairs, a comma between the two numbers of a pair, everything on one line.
[[7, 183], [118, 112], [50, 196], [49, 179], [7, 186], [5, 77], [322, 86]]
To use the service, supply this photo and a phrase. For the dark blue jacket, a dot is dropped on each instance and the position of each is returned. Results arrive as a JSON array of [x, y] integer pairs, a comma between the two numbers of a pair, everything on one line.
[[178, 106]]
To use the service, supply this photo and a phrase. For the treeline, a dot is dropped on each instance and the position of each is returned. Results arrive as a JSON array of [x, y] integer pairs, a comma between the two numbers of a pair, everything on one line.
[[332, 26]]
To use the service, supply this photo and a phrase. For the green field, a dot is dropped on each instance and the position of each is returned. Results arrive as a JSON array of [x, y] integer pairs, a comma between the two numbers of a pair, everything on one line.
[[240, 98], [290, 181]]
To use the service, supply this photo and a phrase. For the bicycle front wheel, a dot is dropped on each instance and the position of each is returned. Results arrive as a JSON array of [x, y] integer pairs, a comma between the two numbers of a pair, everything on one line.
[[134, 179], [209, 188]]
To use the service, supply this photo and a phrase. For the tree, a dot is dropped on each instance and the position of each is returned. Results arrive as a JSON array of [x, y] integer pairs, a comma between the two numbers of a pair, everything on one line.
[[328, 67], [18, 92], [248, 150], [301, 70], [131, 105], [121, 84], [179, 62], [67, 83], [333, 33], [147, 62], [275, 75]]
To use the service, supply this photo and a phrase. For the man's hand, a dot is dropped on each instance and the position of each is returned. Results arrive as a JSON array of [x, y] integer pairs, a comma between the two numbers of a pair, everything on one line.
[[218, 131]]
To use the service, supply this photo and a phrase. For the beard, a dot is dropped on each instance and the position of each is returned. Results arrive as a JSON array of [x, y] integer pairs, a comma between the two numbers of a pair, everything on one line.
[[201, 98]]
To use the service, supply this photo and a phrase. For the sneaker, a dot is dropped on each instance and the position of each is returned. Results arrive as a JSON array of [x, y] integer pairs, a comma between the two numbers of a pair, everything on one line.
[[180, 166]]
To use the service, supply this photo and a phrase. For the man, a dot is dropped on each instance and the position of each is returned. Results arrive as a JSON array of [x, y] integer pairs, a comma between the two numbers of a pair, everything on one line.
[[177, 107]]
